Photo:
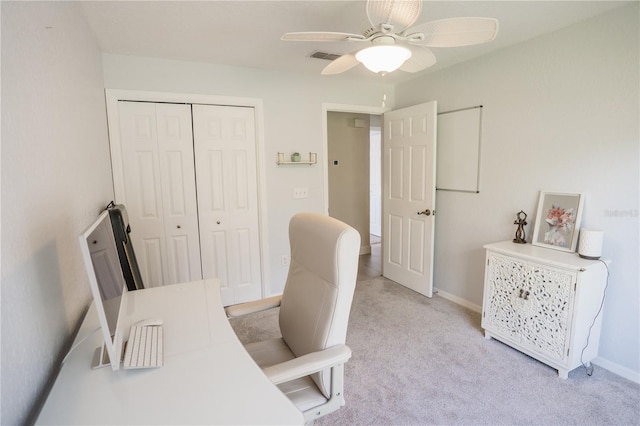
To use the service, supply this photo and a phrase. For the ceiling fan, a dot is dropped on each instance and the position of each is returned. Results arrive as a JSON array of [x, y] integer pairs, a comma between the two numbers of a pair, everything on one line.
[[394, 44]]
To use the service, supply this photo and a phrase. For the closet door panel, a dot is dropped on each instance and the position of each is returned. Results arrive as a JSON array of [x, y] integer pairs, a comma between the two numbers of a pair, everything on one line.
[[150, 261], [214, 244], [175, 143], [141, 167], [243, 244], [225, 152], [148, 193], [213, 200], [241, 186], [159, 176]]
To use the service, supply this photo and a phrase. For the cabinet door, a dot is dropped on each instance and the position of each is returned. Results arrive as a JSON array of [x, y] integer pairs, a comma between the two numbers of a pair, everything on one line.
[[530, 304], [157, 160]]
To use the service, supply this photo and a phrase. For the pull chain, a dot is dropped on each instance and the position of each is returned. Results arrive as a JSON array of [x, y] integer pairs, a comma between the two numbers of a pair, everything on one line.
[[384, 89]]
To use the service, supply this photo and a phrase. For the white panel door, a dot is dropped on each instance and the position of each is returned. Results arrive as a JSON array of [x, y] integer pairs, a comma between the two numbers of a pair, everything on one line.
[[409, 171], [157, 159], [225, 150]]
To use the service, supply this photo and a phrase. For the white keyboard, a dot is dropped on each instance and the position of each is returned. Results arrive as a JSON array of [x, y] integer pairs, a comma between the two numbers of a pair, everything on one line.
[[145, 348]]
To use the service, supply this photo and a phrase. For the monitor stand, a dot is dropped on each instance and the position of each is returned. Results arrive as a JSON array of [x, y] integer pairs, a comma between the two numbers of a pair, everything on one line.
[[100, 357]]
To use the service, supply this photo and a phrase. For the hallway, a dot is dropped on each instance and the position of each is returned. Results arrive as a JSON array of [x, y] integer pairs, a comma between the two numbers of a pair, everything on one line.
[[370, 265]]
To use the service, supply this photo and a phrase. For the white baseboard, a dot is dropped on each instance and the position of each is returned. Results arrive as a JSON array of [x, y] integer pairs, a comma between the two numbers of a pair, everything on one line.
[[616, 369], [365, 250], [460, 301]]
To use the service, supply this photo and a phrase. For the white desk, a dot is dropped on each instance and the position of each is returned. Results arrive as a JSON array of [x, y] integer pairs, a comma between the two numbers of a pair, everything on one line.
[[207, 377]]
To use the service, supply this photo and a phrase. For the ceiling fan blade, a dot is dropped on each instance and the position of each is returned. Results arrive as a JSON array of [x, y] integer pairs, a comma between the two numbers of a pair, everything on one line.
[[340, 65], [421, 58], [455, 32], [321, 36], [399, 13]]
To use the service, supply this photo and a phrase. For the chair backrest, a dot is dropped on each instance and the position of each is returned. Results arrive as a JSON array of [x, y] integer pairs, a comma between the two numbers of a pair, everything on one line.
[[317, 297]]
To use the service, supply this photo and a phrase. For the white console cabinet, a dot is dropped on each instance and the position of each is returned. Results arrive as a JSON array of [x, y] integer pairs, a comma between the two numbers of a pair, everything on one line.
[[544, 303]]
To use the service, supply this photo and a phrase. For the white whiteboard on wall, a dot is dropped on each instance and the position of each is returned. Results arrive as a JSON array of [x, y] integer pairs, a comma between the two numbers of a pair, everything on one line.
[[458, 150]]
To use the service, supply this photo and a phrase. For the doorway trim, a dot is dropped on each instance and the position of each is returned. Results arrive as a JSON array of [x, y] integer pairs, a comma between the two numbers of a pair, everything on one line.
[[331, 107], [112, 96]]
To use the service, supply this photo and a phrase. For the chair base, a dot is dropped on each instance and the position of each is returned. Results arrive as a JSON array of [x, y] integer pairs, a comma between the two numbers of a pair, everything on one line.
[[303, 392], [334, 402]]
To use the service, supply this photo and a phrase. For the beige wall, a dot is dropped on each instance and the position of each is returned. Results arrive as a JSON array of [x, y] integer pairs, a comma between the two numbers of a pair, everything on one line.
[[349, 180]]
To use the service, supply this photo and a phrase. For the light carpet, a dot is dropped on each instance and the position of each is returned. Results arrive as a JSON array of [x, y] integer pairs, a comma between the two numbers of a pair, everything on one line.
[[425, 361]]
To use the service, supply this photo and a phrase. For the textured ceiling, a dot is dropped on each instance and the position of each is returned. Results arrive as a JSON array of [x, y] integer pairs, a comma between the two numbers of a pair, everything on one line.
[[247, 33]]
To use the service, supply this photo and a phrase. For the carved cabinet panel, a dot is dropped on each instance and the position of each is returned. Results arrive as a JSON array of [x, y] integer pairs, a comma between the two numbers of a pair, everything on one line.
[[530, 303], [542, 302]]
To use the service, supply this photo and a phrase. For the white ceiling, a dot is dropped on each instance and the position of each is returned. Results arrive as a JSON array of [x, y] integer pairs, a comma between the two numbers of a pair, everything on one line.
[[247, 33]]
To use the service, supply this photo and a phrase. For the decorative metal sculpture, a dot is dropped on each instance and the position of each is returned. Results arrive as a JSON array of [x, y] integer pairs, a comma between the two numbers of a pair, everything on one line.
[[521, 222]]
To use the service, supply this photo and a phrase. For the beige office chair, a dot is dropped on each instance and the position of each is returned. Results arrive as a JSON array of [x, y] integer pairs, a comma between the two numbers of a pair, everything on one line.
[[307, 363]]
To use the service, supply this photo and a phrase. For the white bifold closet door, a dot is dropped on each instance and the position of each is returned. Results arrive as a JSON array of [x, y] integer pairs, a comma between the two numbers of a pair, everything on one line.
[[159, 176], [192, 197], [225, 152]]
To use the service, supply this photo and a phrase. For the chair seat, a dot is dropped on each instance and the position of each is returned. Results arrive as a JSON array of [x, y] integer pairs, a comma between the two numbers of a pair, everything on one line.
[[303, 392]]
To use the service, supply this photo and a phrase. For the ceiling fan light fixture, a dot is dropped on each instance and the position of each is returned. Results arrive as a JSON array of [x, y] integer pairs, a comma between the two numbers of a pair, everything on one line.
[[383, 58]]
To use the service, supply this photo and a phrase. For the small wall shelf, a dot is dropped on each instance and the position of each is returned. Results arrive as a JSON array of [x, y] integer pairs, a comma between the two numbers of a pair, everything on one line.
[[313, 159]]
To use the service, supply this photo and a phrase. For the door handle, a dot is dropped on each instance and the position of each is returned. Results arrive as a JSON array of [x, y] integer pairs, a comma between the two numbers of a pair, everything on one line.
[[427, 212]]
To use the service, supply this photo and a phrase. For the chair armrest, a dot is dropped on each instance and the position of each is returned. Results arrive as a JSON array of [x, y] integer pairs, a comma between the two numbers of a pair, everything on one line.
[[307, 364], [241, 309]]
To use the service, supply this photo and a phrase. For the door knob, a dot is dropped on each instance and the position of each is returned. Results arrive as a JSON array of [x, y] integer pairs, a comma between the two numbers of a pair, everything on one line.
[[427, 212]]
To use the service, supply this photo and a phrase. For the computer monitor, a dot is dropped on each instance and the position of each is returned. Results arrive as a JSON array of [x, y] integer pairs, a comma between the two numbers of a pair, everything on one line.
[[121, 233], [107, 286]]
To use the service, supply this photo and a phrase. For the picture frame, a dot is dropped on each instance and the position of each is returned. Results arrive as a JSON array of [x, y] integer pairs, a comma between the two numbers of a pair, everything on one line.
[[558, 220]]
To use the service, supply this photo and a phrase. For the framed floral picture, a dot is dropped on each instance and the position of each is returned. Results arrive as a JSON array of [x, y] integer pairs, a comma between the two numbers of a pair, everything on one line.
[[558, 220]]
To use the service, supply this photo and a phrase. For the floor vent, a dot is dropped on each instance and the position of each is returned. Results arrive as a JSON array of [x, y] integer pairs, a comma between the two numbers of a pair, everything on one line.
[[324, 55]]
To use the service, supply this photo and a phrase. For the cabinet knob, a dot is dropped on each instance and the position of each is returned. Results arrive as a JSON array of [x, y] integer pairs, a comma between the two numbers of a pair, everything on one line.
[[179, 227], [218, 222]]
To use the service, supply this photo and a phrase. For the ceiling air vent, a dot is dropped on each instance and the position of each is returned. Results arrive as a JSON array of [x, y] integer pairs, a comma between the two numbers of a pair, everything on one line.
[[324, 55]]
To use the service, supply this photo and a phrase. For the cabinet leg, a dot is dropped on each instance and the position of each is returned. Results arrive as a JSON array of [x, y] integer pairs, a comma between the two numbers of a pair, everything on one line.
[[564, 374], [487, 335]]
